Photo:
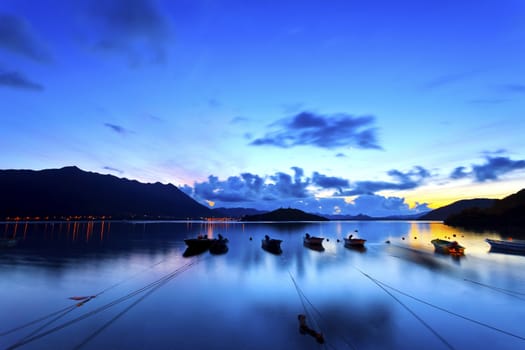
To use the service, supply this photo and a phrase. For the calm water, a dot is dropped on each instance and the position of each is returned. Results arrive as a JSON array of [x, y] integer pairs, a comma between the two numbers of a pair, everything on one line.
[[148, 296]]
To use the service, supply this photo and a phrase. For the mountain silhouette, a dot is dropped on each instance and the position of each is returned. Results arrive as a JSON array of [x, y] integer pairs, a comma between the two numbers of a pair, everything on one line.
[[457, 207], [70, 191], [508, 212]]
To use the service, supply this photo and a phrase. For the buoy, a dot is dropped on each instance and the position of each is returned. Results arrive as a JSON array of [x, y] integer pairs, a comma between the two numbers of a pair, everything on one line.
[[338, 240], [327, 240], [250, 238], [387, 241], [403, 238]]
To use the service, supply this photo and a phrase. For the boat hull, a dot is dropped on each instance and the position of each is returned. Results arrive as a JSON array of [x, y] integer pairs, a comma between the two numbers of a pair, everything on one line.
[[448, 247], [272, 245], [354, 242], [506, 246]]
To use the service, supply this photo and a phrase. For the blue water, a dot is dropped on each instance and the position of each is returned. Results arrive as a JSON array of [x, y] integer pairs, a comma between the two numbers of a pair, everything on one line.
[[397, 295]]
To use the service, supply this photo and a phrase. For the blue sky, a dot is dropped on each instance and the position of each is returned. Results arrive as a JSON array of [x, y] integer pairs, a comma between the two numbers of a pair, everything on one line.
[[375, 107]]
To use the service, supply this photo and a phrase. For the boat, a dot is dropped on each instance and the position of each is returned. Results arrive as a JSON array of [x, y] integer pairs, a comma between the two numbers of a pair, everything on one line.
[[271, 245], [312, 240], [201, 242], [498, 245], [8, 242], [219, 245], [352, 242], [448, 247]]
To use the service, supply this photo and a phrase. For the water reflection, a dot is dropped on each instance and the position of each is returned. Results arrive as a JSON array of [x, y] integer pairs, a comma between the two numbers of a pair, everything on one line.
[[248, 293]]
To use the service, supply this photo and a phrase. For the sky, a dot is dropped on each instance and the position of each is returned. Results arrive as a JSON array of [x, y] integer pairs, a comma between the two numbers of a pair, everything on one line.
[[332, 107]]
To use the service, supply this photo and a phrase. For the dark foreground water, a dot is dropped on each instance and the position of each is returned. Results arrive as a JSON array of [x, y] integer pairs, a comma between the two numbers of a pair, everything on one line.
[[148, 296]]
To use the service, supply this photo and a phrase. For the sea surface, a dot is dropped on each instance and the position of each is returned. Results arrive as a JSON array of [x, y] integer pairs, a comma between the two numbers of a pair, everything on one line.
[[145, 294]]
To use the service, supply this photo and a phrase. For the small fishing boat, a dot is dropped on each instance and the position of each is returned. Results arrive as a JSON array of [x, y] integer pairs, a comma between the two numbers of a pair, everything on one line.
[[352, 242], [219, 245], [448, 247], [312, 240], [271, 245], [201, 242], [502, 246]]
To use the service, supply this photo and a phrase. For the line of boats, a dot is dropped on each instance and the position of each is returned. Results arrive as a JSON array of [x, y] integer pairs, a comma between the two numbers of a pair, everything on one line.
[[219, 245]]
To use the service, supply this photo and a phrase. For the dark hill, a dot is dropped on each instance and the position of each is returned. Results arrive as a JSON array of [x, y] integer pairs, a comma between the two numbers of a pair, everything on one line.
[[284, 215], [508, 212], [457, 207], [73, 192]]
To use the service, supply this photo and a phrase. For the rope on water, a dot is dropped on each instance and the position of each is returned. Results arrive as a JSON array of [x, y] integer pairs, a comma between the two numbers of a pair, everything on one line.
[[443, 340], [498, 289], [67, 309], [453, 313], [106, 306], [115, 318]]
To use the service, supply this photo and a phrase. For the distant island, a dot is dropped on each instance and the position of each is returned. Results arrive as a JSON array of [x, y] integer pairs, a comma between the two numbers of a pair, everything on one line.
[[284, 215]]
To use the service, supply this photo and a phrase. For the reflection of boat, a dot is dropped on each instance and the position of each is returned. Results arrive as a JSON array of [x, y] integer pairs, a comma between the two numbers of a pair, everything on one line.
[[357, 248], [506, 246], [448, 247], [219, 245], [271, 245], [312, 240], [351, 242], [8, 242]]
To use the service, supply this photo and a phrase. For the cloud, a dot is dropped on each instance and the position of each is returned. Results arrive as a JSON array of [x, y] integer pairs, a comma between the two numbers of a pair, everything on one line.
[[448, 79], [324, 181], [404, 181], [133, 27], [488, 101], [115, 170], [323, 131], [18, 81], [16, 35], [296, 190], [516, 88], [117, 128], [459, 173], [492, 169]]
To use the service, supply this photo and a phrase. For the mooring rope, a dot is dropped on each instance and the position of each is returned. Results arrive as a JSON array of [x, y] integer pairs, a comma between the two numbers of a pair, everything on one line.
[[432, 330], [453, 313], [498, 289], [116, 317], [161, 281], [70, 308]]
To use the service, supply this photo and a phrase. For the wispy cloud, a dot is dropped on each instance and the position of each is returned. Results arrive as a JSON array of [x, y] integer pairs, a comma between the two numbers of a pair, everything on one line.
[[136, 28], [491, 169], [447, 79], [403, 181], [17, 80], [325, 131], [17, 36], [114, 170], [514, 88], [117, 128]]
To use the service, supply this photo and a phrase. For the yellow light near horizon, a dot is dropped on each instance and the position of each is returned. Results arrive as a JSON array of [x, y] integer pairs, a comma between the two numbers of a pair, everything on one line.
[[441, 195], [210, 203]]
